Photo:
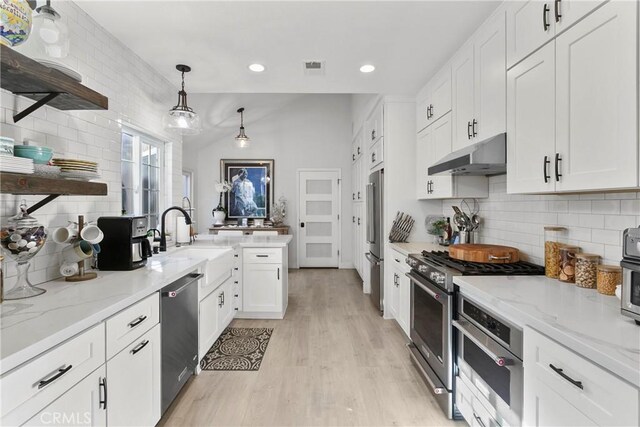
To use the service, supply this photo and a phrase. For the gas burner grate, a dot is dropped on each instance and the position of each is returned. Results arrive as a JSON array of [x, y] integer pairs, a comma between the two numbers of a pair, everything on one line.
[[520, 268]]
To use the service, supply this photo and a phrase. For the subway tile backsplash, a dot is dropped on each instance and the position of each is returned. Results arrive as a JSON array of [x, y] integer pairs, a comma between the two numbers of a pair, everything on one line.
[[594, 221], [137, 94]]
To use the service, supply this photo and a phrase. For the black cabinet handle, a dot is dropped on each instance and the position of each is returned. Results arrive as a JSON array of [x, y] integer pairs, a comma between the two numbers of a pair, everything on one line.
[[61, 372], [373, 157], [266, 256], [558, 160], [556, 9], [358, 150], [353, 156], [140, 346], [373, 134], [545, 14], [358, 221], [567, 377], [353, 220], [136, 322], [473, 128], [430, 112], [278, 273], [545, 169], [302, 225], [103, 392], [478, 419], [353, 196], [468, 130]]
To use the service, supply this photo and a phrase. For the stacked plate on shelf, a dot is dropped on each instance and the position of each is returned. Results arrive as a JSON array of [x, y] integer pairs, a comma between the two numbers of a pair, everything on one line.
[[77, 169], [16, 164]]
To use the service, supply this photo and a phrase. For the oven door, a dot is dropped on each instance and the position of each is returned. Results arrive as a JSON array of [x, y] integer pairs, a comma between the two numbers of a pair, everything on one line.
[[431, 315], [494, 372]]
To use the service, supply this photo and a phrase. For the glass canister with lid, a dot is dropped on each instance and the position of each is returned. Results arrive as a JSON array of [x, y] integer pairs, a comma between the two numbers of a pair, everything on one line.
[[567, 271], [552, 243], [587, 270], [609, 276]]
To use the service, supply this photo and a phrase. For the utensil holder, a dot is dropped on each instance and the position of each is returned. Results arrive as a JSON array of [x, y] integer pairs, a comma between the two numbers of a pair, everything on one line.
[[82, 274]]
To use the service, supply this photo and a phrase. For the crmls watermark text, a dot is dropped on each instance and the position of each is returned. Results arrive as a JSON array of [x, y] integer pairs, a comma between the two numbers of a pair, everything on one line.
[[66, 418]]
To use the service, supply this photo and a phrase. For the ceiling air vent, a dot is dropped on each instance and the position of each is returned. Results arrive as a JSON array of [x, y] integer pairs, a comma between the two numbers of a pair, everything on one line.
[[313, 68]]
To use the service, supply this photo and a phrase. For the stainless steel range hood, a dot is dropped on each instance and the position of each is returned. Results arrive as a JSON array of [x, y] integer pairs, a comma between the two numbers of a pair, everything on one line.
[[488, 157]]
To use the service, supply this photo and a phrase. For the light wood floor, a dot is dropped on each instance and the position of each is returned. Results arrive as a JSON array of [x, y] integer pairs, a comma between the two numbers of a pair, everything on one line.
[[333, 361]]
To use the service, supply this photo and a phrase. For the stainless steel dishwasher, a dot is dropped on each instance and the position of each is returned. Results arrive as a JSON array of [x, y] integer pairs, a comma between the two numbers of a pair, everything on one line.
[[179, 305]]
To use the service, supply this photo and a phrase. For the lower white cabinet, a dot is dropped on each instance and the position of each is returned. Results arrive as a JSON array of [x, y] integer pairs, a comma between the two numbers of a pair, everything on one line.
[[225, 304], [262, 284], [265, 285], [215, 312], [561, 388], [400, 297], [83, 404], [133, 381]]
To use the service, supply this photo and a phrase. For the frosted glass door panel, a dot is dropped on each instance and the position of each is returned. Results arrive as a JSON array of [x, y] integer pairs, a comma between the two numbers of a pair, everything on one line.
[[318, 228]]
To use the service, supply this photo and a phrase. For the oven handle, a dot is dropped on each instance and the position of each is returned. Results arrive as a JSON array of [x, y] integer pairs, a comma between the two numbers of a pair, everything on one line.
[[420, 283], [436, 389], [461, 325]]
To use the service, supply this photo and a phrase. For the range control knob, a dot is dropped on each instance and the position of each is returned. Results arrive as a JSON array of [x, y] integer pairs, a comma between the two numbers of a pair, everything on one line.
[[422, 268]]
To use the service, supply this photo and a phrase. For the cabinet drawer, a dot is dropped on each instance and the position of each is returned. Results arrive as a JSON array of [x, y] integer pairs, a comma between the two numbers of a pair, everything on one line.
[[262, 256], [599, 395], [399, 261], [376, 155], [470, 406], [28, 389], [131, 323]]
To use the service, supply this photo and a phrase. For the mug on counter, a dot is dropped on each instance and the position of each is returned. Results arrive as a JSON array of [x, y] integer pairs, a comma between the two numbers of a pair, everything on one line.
[[92, 234], [69, 269], [78, 251]]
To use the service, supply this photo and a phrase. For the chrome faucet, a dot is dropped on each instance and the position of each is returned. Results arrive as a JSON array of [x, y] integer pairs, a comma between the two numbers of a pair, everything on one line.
[[163, 236]]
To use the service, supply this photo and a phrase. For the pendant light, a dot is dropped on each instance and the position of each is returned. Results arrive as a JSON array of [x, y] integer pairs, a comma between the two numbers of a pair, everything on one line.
[[182, 119], [49, 39], [242, 140]]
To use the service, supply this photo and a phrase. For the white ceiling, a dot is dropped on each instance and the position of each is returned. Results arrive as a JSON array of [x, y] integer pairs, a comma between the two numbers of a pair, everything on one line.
[[406, 41]]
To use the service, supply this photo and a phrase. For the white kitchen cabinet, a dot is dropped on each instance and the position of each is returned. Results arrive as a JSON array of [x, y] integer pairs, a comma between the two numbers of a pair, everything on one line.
[[83, 404], [374, 125], [357, 178], [562, 388], [433, 144], [358, 238], [479, 85], [531, 123], [225, 305], [401, 292], [532, 23], [572, 110], [434, 100], [596, 100], [265, 284], [208, 328], [356, 146], [262, 284], [133, 380], [376, 155]]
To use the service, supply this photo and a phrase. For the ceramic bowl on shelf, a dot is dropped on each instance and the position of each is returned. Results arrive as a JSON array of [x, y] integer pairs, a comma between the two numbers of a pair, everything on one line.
[[40, 155]]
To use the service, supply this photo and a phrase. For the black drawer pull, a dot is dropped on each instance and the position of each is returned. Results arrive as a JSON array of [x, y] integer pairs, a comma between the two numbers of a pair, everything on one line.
[[139, 347], [103, 386], [61, 372], [556, 7], [136, 322], [545, 166], [558, 160], [262, 256], [567, 377], [545, 14]]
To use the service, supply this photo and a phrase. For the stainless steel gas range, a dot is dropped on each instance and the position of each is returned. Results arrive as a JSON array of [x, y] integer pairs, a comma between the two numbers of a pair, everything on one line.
[[433, 310]]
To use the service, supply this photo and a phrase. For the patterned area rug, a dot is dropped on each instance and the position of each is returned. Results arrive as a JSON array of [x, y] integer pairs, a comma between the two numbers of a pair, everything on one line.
[[237, 349]]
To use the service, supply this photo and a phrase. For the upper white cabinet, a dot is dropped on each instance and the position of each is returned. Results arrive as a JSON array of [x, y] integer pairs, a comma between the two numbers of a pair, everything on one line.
[[374, 126], [572, 111], [434, 100], [357, 148], [531, 24], [561, 388], [479, 85]]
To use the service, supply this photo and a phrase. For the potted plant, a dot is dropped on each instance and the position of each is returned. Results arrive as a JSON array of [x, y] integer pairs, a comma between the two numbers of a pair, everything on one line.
[[220, 212], [436, 225]]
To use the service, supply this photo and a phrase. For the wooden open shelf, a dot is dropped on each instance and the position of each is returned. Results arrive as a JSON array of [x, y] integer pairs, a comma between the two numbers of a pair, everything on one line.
[[24, 76], [25, 184]]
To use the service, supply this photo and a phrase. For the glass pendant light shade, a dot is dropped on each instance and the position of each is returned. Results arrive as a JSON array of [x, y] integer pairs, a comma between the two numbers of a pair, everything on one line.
[[242, 140], [49, 39], [181, 119]]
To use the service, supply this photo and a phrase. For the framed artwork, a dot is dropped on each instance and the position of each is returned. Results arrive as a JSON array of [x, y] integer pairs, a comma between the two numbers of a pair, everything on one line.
[[251, 191]]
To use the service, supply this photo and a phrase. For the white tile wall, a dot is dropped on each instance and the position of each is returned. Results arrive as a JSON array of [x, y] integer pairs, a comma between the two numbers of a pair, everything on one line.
[[595, 222], [137, 94]]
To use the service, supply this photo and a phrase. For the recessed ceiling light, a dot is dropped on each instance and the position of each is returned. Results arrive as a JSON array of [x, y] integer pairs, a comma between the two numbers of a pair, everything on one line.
[[367, 68], [256, 68]]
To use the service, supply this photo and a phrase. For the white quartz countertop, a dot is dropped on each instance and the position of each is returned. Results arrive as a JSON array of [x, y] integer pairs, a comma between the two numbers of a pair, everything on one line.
[[581, 319], [416, 247], [31, 326]]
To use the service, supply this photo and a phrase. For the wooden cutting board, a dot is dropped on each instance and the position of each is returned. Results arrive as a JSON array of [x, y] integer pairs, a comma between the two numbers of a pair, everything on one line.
[[493, 254]]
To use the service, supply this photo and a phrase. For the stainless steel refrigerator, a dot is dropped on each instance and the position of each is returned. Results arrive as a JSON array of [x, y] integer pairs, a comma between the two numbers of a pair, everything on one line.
[[375, 239]]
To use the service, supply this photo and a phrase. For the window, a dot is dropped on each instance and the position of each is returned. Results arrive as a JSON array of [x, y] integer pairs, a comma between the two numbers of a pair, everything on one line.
[[142, 167]]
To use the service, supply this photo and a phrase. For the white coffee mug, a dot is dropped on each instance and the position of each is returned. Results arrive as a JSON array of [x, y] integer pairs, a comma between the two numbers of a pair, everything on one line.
[[64, 234], [92, 234], [77, 251], [69, 269]]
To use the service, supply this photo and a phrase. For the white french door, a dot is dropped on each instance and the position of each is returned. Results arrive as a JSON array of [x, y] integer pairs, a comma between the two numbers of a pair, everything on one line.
[[319, 218]]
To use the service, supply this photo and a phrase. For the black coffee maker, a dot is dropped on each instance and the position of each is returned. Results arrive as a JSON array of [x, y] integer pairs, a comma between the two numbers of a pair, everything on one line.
[[125, 245]]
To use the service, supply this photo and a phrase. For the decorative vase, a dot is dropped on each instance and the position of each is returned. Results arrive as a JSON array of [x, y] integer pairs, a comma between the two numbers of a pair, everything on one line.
[[15, 22], [219, 213], [22, 238]]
